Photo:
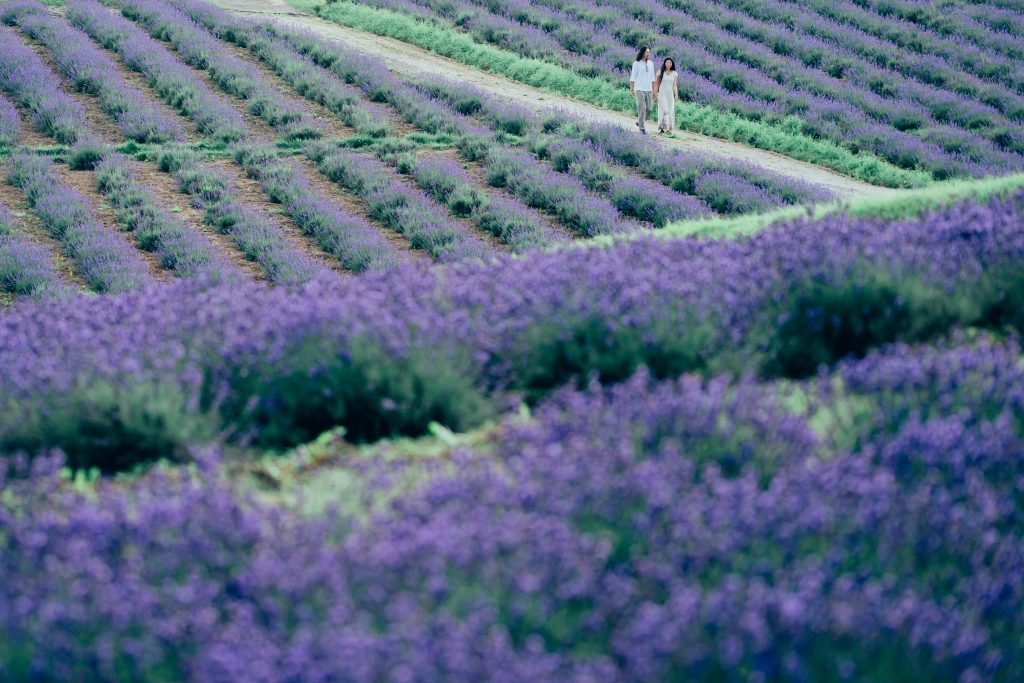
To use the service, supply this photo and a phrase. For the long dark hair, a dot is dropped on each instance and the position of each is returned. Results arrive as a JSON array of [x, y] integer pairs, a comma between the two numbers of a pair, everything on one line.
[[661, 71], [640, 55]]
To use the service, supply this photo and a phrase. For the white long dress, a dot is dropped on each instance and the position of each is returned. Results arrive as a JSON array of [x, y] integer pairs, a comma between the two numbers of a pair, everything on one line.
[[667, 101]]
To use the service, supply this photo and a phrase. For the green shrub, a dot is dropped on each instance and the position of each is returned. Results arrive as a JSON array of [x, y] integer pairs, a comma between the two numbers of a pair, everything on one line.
[[371, 393], [109, 427], [85, 156], [556, 354], [823, 323]]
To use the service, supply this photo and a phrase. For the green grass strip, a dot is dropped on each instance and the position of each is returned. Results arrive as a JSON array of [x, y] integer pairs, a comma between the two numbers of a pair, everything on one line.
[[782, 137], [891, 206]]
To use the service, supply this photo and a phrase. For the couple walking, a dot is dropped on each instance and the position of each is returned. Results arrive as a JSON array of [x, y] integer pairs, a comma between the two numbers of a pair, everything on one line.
[[647, 84]]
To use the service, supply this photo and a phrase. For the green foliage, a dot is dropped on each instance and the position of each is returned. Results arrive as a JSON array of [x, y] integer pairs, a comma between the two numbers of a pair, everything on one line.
[[108, 427], [825, 322], [554, 355], [362, 388], [783, 137], [86, 155]]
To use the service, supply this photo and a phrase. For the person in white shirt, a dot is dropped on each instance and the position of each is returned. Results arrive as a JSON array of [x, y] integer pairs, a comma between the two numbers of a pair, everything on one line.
[[666, 92], [641, 84]]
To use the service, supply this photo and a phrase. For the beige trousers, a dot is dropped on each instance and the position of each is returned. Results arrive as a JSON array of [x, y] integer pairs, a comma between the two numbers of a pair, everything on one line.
[[644, 104]]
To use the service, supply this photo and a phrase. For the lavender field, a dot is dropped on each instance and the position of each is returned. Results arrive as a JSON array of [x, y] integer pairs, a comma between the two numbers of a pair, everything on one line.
[[320, 363]]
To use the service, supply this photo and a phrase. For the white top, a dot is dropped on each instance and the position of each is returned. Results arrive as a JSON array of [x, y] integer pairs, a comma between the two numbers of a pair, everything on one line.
[[643, 75]]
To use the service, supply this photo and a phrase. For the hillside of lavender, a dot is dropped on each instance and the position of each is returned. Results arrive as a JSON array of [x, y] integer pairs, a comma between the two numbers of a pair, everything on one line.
[[316, 371]]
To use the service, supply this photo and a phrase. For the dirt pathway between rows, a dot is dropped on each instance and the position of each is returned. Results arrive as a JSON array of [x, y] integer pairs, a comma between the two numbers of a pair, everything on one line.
[[409, 59]]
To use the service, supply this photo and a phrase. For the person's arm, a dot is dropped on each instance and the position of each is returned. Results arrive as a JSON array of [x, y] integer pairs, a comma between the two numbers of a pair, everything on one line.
[[657, 86], [632, 79], [675, 86]]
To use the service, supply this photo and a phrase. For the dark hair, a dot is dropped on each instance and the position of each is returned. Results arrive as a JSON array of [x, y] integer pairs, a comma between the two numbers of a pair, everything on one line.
[[661, 71], [640, 55]]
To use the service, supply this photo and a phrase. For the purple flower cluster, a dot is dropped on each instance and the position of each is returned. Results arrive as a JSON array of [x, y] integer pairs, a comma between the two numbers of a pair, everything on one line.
[[92, 72], [250, 229], [171, 80], [10, 124], [234, 76], [32, 85], [762, 70], [25, 267], [180, 248], [691, 529], [105, 260], [356, 244], [402, 208], [309, 80]]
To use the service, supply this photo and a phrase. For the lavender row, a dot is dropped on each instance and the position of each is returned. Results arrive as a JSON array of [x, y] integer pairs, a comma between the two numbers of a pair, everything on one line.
[[104, 259], [403, 209], [32, 85], [764, 85], [308, 79], [10, 124], [25, 268], [91, 71], [356, 244], [509, 220], [749, 189], [652, 530], [172, 81], [234, 76], [180, 248], [251, 230]]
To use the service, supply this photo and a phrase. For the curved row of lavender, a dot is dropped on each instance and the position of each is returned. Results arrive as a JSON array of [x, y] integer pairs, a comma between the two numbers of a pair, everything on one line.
[[104, 258], [171, 80], [91, 71], [683, 530], [180, 248], [833, 93], [389, 352], [30, 83], [252, 230], [10, 123], [231, 74], [356, 244], [25, 267]]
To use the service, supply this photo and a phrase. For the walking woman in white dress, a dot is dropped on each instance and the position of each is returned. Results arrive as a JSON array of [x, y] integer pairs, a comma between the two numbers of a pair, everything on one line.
[[666, 92]]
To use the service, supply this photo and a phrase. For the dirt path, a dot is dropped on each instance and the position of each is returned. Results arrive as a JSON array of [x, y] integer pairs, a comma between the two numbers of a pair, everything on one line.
[[410, 59]]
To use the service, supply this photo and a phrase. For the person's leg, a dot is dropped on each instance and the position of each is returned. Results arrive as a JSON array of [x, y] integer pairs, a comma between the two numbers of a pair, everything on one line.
[[640, 113], [644, 109]]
